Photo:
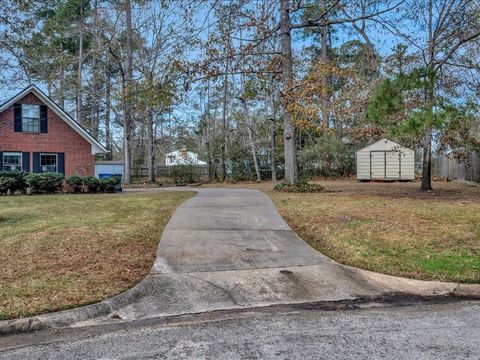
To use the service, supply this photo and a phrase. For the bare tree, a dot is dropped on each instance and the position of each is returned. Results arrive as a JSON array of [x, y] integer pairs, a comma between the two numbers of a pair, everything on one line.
[[127, 94]]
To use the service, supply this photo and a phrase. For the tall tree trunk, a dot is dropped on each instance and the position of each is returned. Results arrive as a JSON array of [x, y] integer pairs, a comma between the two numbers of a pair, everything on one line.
[[80, 67], [108, 104], [94, 83], [273, 141], [251, 141], [223, 165], [429, 97], [427, 161], [208, 134], [209, 148], [61, 95], [324, 59], [273, 131], [151, 147], [127, 88], [290, 136], [371, 54]]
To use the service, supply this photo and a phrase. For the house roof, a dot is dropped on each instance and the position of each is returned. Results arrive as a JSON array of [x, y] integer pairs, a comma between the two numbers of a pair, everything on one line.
[[180, 151], [97, 147]]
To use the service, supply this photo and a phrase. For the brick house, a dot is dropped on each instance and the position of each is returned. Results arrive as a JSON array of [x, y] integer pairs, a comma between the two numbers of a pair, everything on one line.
[[36, 135]]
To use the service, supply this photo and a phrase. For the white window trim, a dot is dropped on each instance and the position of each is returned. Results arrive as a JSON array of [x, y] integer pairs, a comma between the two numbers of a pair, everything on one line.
[[30, 118], [12, 153], [56, 161]]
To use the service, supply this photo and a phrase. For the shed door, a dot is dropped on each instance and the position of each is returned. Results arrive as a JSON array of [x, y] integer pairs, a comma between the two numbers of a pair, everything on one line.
[[392, 165], [377, 165]]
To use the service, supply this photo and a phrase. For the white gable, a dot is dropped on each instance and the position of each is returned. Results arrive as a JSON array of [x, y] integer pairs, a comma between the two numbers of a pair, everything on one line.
[[384, 145], [183, 157]]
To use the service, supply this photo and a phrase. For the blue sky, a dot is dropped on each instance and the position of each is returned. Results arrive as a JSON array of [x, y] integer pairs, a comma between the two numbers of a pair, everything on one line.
[[383, 40]]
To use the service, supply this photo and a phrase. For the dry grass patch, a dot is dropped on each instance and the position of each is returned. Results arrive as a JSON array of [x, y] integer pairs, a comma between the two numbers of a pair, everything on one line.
[[61, 251], [393, 227], [390, 227]]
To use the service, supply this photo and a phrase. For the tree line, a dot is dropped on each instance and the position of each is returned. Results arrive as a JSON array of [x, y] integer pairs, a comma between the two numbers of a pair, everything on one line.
[[261, 89]]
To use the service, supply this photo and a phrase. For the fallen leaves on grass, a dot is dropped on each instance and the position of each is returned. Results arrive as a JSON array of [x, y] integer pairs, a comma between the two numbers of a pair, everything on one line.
[[60, 251]]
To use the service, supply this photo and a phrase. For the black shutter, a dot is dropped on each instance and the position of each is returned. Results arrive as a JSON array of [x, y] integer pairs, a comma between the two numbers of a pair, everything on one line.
[[1, 161], [26, 161], [17, 117], [43, 119], [36, 163], [61, 163]]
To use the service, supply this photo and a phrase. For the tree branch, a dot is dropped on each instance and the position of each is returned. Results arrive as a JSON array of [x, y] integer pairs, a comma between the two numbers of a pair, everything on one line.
[[319, 21]]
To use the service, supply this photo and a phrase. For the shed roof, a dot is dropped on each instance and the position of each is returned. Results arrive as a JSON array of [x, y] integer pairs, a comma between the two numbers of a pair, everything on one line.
[[384, 144]]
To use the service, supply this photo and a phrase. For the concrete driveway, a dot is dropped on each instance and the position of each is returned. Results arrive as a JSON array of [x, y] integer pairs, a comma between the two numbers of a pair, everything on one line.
[[230, 248]]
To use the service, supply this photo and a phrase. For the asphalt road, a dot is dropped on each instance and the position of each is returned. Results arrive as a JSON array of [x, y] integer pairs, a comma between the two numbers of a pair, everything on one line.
[[433, 331]]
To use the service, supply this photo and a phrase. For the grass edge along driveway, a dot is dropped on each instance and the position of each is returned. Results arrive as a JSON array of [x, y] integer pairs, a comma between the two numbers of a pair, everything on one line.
[[391, 228], [63, 251]]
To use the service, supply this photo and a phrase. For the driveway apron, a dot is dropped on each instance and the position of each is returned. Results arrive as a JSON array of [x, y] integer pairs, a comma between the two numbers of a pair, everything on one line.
[[230, 248]]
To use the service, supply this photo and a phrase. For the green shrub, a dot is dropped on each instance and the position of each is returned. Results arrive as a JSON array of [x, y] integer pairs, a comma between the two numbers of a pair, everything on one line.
[[44, 183], [6, 185], [86, 184], [91, 183], [12, 181], [184, 174], [299, 187], [166, 182], [75, 183], [107, 185], [326, 156]]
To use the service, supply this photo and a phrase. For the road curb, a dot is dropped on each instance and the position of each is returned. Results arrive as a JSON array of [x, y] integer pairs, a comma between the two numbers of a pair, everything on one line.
[[421, 288], [69, 317], [390, 286], [380, 284], [467, 290], [55, 319]]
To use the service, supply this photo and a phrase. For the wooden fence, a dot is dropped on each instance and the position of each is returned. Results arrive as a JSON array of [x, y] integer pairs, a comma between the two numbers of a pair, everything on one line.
[[450, 168], [164, 171]]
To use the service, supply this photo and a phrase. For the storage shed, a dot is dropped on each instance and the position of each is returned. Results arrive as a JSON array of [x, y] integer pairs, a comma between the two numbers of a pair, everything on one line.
[[108, 167], [385, 160]]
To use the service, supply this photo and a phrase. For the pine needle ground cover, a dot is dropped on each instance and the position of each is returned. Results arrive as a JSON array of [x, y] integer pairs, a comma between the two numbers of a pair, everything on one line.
[[62, 251]]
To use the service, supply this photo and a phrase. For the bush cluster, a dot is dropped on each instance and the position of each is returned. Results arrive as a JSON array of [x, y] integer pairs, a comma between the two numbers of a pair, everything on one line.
[[12, 182], [89, 184], [299, 187], [44, 183], [327, 156], [107, 185], [184, 174], [19, 182]]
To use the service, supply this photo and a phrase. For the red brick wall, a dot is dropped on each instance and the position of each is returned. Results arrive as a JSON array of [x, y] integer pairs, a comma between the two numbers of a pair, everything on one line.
[[60, 138]]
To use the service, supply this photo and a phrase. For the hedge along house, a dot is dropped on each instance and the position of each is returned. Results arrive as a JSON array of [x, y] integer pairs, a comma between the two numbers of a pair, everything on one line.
[[36, 135], [385, 160]]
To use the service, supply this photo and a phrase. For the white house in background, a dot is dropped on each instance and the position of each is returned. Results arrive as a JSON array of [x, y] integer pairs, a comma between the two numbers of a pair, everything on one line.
[[182, 157], [385, 160]]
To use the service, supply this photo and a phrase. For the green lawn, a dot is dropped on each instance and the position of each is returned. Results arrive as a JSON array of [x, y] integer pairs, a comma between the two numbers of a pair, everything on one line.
[[391, 228], [61, 251]]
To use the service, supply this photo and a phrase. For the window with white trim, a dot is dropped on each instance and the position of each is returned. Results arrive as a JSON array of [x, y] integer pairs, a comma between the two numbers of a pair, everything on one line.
[[30, 118], [48, 163], [12, 161]]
